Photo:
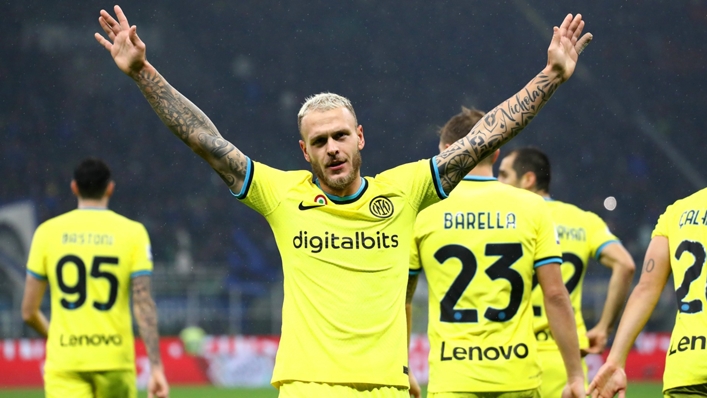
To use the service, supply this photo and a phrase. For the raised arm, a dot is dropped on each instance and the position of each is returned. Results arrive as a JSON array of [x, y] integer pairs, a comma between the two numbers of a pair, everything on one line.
[[185, 120], [510, 117], [146, 317], [562, 324], [611, 378], [616, 257]]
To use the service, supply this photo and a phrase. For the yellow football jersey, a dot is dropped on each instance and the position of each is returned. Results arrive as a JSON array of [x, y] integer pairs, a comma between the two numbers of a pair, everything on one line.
[[88, 256], [684, 223], [582, 235], [479, 249], [343, 316]]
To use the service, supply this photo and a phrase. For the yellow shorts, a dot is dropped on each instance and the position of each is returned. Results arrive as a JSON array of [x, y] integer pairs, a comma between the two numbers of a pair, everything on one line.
[[96, 384], [698, 390], [535, 393], [303, 389], [554, 376]]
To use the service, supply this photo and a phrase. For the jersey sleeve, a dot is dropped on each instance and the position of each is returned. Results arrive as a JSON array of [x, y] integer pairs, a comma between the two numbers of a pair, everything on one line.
[[661, 228], [263, 187], [598, 234], [142, 253], [37, 259], [415, 264], [419, 180], [547, 249]]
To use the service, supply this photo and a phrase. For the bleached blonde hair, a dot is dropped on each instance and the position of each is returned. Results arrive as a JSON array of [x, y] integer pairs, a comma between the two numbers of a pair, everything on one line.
[[324, 102]]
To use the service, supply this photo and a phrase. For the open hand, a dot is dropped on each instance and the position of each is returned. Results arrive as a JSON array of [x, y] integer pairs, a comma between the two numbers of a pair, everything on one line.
[[566, 45], [610, 379], [123, 43]]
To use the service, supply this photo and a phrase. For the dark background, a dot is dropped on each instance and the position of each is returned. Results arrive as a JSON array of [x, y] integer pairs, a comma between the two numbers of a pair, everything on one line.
[[629, 124]]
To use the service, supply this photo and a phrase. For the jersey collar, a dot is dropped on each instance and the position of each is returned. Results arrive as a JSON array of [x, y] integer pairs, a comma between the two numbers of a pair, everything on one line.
[[479, 178], [342, 200]]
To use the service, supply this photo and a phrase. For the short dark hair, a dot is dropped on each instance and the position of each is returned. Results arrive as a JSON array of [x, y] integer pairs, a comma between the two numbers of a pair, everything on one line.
[[533, 159], [460, 125], [92, 176]]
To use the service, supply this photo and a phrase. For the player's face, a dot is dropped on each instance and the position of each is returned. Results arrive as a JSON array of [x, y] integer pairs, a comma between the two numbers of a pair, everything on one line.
[[506, 172], [331, 142]]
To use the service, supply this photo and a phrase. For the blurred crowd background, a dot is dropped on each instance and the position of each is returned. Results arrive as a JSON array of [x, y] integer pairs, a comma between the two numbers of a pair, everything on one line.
[[630, 124]]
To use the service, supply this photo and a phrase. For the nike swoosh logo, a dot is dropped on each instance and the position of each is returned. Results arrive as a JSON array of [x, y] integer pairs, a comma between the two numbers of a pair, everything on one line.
[[303, 207]]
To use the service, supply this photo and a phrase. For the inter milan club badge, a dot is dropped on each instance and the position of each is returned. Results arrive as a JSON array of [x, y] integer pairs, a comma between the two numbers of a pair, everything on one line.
[[321, 199], [381, 207]]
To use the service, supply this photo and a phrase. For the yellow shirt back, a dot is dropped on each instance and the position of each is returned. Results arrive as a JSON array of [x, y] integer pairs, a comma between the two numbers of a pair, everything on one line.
[[88, 257], [343, 316], [478, 249], [582, 235], [684, 223]]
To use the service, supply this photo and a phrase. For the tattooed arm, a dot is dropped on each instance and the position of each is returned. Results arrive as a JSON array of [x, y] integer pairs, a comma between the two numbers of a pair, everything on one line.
[[185, 120], [509, 118], [146, 318], [656, 270]]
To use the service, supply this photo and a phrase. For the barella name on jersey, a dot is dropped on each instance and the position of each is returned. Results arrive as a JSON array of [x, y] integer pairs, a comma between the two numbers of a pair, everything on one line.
[[689, 343], [330, 240], [479, 220], [692, 217], [492, 353], [92, 340]]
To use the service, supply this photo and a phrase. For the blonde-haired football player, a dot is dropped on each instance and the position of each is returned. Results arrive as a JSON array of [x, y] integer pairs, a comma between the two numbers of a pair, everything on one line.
[[341, 236], [92, 258]]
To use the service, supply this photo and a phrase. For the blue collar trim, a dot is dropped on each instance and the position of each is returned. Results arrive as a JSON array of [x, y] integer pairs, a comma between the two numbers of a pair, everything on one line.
[[345, 199], [479, 178]]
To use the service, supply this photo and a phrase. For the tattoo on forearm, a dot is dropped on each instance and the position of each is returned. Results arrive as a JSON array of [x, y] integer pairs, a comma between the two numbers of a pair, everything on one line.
[[146, 317], [496, 128], [217, 145], [649, 265], [192, 126]]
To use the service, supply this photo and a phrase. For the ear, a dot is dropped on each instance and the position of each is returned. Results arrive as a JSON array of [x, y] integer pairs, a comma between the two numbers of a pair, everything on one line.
[[528, 181], [75, 188], [361, 140], [495, 155], [303, 147], [109, 189]]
